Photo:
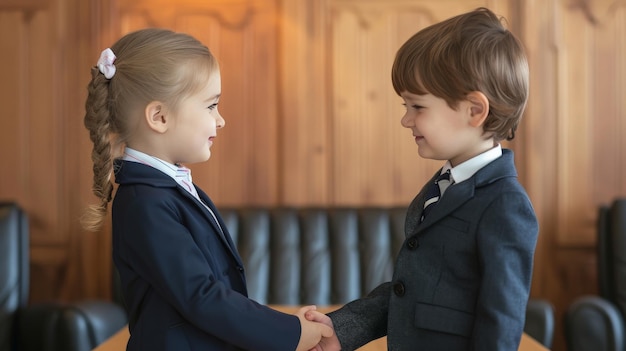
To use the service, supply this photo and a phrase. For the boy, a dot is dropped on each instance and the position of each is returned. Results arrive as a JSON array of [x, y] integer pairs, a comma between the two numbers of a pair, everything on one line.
[[462, 278]]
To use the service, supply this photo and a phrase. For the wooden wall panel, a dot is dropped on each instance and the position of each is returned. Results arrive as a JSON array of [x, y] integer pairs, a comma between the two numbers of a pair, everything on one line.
[[12, 143], [575, 155], [306, 148], [43, 93], [44, 155], [30, 147], [32, 125], [608, 100], [590, 111], [539, 130]]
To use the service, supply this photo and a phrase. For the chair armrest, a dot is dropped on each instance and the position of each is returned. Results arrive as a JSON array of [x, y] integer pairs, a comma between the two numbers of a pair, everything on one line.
[[84, 325], [540, 321], [593, 324], [35, 326]]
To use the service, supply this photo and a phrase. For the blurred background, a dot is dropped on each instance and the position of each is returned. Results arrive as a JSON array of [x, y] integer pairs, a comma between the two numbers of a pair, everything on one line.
[[312, 118]]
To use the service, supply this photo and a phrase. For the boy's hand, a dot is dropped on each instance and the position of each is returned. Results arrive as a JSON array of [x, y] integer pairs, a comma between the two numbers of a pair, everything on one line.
[[327, 343], [312, 331]]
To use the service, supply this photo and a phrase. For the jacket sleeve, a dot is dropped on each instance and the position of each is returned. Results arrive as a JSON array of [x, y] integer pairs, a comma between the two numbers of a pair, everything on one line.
[[507, 235], [362, 320]]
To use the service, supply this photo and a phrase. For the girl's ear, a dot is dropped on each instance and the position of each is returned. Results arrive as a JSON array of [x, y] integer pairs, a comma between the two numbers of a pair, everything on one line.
[[479, 108], [155, 117]]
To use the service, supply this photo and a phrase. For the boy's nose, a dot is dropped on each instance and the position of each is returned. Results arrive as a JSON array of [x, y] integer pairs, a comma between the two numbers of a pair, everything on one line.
[[406, 121]]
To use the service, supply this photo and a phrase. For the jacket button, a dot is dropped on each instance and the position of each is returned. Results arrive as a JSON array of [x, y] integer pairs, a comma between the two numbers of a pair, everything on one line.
[[398, 289], [412, 244], [240, 269]]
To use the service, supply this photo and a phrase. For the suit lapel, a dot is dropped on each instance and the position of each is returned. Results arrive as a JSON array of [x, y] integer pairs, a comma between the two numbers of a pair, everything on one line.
[[457, 194], [414, 212], [223, 233], [205, 212]]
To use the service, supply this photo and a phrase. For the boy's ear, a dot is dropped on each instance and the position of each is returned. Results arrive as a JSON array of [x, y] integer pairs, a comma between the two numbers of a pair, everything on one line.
[[479, 108], [155, 117]]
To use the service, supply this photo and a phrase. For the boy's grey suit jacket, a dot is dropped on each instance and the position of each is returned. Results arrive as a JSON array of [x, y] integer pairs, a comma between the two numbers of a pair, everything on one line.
[[462, 277]]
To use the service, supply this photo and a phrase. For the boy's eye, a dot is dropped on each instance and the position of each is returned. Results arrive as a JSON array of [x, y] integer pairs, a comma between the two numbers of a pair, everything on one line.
[[416, 107], [213, 106]]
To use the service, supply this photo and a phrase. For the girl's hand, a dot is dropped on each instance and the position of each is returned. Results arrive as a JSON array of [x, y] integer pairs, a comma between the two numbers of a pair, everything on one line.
[[327, 343], [312, 331]]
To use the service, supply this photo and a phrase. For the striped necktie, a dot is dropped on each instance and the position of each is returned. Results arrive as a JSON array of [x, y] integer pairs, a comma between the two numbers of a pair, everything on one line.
[[433, 193]]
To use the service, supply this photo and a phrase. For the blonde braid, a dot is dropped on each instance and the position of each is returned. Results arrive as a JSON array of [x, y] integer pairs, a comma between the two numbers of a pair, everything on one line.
[[101, 130]]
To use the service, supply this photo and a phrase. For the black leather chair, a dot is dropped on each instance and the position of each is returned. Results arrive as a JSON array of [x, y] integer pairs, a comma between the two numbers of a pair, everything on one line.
[[45, 326], [22, 327], [596, 323]]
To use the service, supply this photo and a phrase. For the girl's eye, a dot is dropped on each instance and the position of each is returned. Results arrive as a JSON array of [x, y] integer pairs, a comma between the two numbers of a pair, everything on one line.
[[213, 106]]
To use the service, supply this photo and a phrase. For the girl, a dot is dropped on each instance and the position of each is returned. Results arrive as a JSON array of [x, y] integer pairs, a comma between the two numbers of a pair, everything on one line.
[[153, 96]]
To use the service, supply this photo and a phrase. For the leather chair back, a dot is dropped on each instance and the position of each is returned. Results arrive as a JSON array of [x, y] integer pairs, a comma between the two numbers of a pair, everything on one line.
[[597, 322], [612, 255], [323, 256], [14, 277], [605, 273]]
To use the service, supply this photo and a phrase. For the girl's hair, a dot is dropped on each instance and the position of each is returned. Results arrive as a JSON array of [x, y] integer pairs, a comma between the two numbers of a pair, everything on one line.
[[150, 65], [468, 52]]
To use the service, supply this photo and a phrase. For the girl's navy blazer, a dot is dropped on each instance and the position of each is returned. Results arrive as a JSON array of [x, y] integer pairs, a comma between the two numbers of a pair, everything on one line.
[[183, 281]]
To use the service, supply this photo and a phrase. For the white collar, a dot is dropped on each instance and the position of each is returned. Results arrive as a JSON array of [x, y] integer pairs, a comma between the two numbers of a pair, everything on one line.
[[467, 169], [172, 170]]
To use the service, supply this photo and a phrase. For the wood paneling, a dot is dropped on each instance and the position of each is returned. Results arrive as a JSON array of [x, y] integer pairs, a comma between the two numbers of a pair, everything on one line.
[[12, 43], [43, 94], [311, 117], [574, 153], [305, 149], [590, 87], [31, 154]]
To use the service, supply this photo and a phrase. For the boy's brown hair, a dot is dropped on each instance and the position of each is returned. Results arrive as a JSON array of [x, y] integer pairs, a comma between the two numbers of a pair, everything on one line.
[[465, 53]]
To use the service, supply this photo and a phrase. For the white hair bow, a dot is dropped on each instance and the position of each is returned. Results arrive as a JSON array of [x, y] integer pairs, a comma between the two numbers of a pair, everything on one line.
[[105, 63]]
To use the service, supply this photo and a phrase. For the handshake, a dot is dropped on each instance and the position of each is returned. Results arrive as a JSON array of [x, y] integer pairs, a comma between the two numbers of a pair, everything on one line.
[[317, 332]]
